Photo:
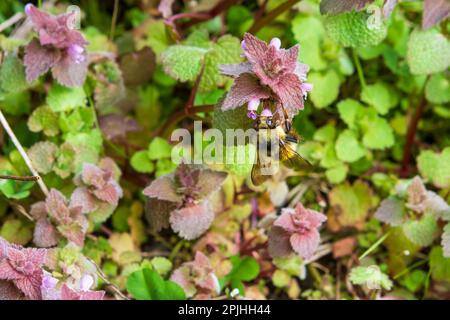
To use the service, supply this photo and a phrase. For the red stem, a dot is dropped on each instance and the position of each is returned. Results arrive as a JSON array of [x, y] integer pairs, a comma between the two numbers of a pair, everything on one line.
[[269, 17], [410, 135]]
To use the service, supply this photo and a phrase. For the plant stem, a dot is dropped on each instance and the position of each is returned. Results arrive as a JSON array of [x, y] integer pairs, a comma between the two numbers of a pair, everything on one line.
[[22, 152], [20, 178], [374, 246], [11, 21], [220, 7], [362, 80], [180, 115], [270, 16], [114, 19], [410, 135]]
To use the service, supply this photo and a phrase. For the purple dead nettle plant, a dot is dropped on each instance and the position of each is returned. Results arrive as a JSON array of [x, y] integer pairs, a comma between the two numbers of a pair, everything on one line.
[[56, 217], [98, 191], [22, 267], [58, 47], [182, 200], [197, 277], [271, 75], [296, 231]]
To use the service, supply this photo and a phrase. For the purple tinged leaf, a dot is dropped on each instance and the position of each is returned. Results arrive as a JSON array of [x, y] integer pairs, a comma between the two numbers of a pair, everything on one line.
[[391, 211], [235, 70], [163, 188], [45, 234], [38, 60], [115, 127], [69, 294], [24, 267], [69, 72], [434, 12], [279, 243], [197, 274], [8, 291], [417, 194], [299, 227], [81, 197], [209, 181], [191, 222], [245, 88], [158, 213]]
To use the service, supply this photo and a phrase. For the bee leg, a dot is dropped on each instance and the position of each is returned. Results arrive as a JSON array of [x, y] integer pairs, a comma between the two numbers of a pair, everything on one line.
[[288, 125]]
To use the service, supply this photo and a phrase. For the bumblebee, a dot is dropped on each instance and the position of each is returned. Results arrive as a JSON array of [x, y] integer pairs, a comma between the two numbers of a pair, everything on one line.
[[280, 143]]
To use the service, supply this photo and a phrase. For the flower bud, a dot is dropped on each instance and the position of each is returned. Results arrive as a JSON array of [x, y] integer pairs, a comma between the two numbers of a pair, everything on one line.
[[266, 113], [275, 42], [253, 104]]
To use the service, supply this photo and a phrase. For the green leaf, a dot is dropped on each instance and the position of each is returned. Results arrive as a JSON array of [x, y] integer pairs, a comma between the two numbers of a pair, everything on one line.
[[378, 134], [439, 265], [337, 174], [155, 36], [348, 148], [245, 269], [414, 281], [16, 231], [183, 62], [241, 159], [326, 88], [281, 278], [349, 109], [141, 162], [325, 134], [87, 147], [421, 232], [428, 52], [159, 148], [435, 167], [146, 284], [351, 203], [370, 276], [226, 50], [43, 156], [231, 119], [44, 119], [292, 264], [380, 96], [437, 89], [309, 31], [61, 98], [12, 75], [15, 189], [162, 265], [356, 29]]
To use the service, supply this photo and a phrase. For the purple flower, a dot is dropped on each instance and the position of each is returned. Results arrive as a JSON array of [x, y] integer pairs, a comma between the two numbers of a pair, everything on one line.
[[270, 73], [296, 230], [58, 47]]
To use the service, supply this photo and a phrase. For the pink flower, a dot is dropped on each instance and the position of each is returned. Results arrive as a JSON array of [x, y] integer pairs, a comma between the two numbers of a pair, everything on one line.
[[197, 275], [23, 266], [296, 230], [270, 73], [59, 48]]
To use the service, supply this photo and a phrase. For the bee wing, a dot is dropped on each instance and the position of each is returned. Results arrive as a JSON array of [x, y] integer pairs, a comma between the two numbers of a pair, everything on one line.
[[258, 178], [291, 159]]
